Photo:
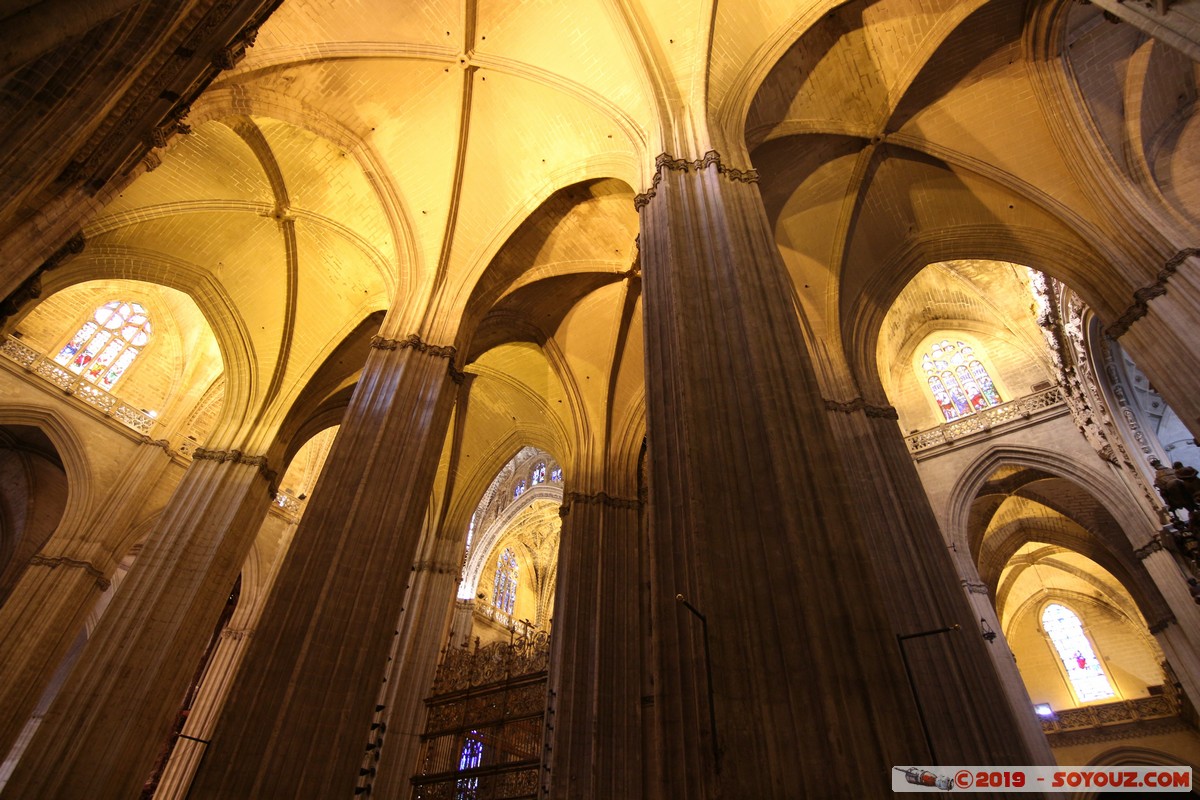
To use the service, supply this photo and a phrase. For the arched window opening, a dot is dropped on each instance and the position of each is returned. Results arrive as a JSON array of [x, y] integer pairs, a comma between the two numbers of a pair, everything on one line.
[[519, 489], [104, 347], [470, 757], [960, 384], [1076, 654], [539, 474], [504, 593], [556, 474]]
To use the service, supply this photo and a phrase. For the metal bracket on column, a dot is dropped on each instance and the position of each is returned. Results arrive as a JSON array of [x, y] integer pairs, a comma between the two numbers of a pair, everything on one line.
[[712, 706], [913, 686]]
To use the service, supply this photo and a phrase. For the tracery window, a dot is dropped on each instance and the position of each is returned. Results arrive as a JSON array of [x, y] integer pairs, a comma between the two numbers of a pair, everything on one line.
[[556, 474], [959, 382], [504, 592], [1075, 651], [539, 474], [519, 489], [107, 344]]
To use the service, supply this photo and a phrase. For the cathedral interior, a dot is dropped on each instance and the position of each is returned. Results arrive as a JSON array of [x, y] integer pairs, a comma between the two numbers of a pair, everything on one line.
[[483, 399]]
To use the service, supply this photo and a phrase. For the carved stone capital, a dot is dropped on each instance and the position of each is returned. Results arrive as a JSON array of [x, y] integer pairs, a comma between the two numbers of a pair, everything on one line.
[[599, 498], [62, 561], [236, 634], [1142, 297], [413, 342], [974, 587], [859, 404], [238, 457], [1162, 624], [436, 567], [710, 159], [1148, 549]]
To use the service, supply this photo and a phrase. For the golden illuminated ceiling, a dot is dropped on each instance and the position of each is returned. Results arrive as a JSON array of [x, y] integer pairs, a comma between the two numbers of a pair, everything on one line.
[[469, 167]]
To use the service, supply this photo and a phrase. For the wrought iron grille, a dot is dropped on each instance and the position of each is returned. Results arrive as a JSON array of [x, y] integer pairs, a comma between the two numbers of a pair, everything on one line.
[[483, 732]]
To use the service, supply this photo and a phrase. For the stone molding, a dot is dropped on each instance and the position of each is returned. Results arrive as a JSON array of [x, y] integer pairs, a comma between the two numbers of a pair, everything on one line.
[[413, 342], [599, 498], [61, 561], [237, 634], [711, 158], [1142, 297], [859, 404], [974, 587]]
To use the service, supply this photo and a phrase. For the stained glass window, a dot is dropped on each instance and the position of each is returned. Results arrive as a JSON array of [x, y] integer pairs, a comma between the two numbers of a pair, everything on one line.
[[504, 593], [556, 474], [1075, 651], [519, 489], [107, 344], [470, 757], [539, 474], [960, 384]]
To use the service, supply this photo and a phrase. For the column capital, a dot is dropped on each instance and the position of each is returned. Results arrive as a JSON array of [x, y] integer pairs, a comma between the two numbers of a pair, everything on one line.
[[52, 562], [666, 161], [238, 457], [1149, 548], [974, 587], [599, 498], [413, 342], [437, 567], [1142, 297], [1162, 624], [860, 404]]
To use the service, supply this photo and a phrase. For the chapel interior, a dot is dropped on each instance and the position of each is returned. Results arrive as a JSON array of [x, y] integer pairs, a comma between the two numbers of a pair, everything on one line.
[[647, 399]]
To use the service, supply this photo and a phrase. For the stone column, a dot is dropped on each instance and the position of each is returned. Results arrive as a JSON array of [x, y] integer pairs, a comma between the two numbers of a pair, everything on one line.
[[751, 522], [1012, 691], [1157, 330], [272, 543], [954, 680], [107, 725], [421, 635], [594, 719], [1181, 642], [298, 717], [52, 598]]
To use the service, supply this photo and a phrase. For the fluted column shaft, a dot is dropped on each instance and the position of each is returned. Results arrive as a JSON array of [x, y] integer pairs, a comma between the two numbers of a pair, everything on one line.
[[421, 637], [103, 732], [299, 714], [272, 542], [594, 719], [953, 670], [1158, 331], [751, 523], [52, 598]]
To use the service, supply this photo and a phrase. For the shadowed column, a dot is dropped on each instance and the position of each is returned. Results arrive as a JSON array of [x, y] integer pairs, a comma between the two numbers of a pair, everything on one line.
[[750, 522]]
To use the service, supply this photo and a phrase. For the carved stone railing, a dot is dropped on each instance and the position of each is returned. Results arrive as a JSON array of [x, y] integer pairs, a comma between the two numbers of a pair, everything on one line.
[[1022, 408], [490, 612], [1090, 717], [73, 385]]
